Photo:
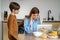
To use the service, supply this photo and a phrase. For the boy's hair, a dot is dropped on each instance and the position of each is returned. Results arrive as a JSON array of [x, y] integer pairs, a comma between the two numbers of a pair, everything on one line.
[[14, 5]]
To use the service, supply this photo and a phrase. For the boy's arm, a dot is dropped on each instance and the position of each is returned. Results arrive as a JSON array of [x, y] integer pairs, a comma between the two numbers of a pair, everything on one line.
[[11, 22], [10, 25]]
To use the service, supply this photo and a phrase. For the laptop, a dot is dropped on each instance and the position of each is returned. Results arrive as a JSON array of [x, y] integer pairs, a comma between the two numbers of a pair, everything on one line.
[[48, 26]]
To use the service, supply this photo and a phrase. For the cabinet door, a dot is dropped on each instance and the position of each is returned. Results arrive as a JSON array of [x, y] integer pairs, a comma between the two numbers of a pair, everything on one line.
[[5, 31]]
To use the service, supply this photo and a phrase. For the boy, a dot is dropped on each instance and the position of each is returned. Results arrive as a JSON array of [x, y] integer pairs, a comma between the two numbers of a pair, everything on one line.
[[12, 22]]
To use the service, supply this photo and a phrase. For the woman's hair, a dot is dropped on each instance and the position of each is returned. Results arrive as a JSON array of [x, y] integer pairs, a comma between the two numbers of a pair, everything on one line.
[[34, 10], [14, 5]]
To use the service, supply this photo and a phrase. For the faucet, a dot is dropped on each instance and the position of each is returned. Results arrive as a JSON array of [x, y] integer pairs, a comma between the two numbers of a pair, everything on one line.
[[49, 12], [52, 18]]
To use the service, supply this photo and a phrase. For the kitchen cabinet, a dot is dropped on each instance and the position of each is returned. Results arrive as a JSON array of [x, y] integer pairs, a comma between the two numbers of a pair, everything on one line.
[[5, 30]]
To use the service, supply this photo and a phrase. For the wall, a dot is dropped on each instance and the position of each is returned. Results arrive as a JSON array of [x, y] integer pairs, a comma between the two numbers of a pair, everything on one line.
[[0, 23], [43, 5]]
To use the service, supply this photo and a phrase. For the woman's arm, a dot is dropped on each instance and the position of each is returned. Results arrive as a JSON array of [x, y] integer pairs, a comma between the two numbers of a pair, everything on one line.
[[27, 26]]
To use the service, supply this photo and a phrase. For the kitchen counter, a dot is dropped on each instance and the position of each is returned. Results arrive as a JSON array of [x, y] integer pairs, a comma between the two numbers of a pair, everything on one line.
[[51, 21], [31, 37], [19, 20]]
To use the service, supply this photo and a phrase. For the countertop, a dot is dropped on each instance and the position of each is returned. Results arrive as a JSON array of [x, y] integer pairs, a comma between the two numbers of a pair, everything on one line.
[[30, 37], [51, 21], [19, 20]]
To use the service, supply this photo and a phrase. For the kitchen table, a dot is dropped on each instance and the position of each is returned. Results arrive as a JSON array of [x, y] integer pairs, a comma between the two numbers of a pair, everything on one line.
[[32, 37]]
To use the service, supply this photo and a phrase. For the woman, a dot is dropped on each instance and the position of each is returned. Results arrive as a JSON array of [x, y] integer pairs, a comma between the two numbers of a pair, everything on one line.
[[30, 24]]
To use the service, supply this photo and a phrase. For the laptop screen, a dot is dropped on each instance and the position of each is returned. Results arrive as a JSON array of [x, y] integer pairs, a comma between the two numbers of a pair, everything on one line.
[[48, 26]]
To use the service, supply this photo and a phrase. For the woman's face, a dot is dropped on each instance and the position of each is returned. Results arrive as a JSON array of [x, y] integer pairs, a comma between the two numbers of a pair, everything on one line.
[[35, 16]]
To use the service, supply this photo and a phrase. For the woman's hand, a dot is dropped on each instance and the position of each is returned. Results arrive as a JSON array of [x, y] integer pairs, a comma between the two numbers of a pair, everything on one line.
[[31, 20], [38, 16], [41, 20]]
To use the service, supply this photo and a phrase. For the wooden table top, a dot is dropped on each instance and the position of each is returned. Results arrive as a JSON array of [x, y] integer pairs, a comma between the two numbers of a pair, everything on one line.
[[30, 37]]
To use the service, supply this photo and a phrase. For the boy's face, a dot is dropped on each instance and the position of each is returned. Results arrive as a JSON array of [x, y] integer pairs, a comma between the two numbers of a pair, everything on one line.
[[16, 11]]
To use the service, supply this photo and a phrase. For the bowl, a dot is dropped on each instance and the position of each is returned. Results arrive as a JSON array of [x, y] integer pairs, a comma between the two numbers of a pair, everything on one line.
[[37, 34]]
